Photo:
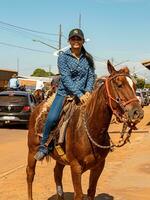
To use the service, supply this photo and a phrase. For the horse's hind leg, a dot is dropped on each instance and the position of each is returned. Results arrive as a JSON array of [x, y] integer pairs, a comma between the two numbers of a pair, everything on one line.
[[94, 176], [30, 171], [58, 172]]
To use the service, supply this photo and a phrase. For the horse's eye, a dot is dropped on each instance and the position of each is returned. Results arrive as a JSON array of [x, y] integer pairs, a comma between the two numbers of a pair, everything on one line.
[[119, 85]]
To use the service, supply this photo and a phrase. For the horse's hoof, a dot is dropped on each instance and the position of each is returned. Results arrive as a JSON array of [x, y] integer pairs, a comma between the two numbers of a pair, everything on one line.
[[60, 197]]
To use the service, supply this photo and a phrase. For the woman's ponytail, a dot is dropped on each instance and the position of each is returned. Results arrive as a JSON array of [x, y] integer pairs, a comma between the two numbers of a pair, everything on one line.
[[88, 56]]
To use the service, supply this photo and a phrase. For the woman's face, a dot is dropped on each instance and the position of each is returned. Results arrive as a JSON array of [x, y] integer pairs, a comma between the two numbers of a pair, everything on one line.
[[76, 42]]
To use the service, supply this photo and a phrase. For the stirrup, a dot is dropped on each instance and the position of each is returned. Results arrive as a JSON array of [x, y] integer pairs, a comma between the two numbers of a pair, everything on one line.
[[39, 156], [61, 153]]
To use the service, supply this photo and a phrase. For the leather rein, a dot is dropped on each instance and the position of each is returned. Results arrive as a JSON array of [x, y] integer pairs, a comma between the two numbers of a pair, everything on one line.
[[122, 140]]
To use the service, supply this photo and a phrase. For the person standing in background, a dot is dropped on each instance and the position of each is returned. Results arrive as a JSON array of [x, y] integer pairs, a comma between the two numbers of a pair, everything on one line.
[[13, 83], [39, 85]]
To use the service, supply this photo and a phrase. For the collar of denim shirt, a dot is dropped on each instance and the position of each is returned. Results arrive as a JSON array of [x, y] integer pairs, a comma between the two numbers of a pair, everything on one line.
[[68, 52]]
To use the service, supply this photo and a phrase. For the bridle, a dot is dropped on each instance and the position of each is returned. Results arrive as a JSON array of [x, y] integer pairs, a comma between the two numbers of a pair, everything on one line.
[[122, 104]]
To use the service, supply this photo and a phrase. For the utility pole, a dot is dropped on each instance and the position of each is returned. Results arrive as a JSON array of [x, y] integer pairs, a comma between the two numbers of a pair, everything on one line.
[[18, 65], [112, 60], [60, 34], [49, 69], [80, 21]]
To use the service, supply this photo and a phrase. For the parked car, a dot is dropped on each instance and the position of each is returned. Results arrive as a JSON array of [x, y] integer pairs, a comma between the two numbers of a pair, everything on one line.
[[148, 91], [146, 97], [16, 107], [140, 97]]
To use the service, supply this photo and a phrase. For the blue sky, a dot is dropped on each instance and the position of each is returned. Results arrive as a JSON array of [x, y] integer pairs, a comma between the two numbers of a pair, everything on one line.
[[118, 30]]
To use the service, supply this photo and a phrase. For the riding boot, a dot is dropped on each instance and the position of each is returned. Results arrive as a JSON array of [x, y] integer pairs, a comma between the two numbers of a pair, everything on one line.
[[41, 153]]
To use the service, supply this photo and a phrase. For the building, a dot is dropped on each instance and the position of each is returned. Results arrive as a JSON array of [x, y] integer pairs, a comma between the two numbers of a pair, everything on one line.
[[5, 75], [146, 64], [30, 81]]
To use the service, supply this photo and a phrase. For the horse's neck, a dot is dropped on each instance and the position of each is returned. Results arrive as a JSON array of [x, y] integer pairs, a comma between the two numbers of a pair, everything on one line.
[[98, 113]]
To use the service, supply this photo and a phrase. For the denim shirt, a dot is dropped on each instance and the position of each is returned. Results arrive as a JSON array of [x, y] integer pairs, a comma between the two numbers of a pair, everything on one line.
[[77, 76]]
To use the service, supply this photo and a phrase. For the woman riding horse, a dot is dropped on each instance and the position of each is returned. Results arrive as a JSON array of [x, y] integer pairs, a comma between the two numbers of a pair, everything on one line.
[[77, 76], [87, 141]]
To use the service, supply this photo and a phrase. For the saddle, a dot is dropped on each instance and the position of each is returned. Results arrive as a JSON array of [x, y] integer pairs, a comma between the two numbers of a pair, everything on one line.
[[57, 135], [42, 115]]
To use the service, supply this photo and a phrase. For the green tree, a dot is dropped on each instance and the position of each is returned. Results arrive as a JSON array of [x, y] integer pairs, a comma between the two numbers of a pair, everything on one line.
[[140, 82], [39, 72], [147, 85]]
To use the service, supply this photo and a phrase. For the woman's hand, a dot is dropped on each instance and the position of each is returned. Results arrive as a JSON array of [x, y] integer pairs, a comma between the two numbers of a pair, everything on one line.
[[85, 97], [88, 94]]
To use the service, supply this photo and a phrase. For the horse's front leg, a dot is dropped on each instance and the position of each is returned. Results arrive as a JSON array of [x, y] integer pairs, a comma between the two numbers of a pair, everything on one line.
[[30, 171], [76, 173], [94, 176], [58, 172]]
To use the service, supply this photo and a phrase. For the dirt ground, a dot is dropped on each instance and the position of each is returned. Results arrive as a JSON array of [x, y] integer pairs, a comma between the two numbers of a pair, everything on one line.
[[126, 175]]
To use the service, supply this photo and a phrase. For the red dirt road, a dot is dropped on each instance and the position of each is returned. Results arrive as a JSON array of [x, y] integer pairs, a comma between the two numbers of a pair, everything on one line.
[[126, 175]]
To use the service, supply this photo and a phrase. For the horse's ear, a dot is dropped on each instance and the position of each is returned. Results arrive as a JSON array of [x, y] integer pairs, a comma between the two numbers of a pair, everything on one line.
[[110, 67]]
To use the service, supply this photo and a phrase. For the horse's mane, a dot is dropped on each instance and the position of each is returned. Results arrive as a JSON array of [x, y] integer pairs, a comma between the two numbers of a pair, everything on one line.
[[95, 99], [124, 70], [97, 96]]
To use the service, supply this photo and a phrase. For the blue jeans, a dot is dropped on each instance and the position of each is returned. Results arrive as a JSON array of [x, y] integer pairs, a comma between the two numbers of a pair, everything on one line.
[[52, 119]]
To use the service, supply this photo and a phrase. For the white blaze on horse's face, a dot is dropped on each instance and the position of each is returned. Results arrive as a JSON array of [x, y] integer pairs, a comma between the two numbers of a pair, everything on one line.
[[130, 82]]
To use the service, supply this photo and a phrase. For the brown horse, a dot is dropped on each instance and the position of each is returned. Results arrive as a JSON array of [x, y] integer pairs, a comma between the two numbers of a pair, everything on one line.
[[39, 95], [87, 140]]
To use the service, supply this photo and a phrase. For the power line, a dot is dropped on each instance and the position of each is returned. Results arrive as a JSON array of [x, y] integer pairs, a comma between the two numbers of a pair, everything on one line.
[[12, 45], [24, 33], [27, 29]]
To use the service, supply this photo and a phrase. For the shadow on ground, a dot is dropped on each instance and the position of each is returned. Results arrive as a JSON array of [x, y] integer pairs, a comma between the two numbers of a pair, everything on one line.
[[14, 126], [69, 196]]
